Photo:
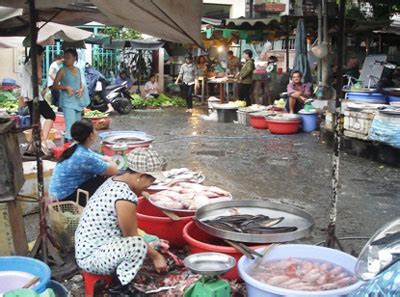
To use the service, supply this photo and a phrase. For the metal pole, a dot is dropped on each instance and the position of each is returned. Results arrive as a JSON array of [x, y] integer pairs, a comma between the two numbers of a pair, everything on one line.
[[319, 39], [36, 129], [287, 43], [331, 239]]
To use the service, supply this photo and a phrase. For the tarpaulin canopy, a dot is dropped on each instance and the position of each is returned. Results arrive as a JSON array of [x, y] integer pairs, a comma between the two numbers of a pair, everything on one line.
[[172, 20], [11, 42], [48, 32], [140, 44], [9, 12]]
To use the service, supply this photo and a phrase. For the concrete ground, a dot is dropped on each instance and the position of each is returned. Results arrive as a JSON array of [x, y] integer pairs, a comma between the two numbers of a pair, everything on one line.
[[290, 169]]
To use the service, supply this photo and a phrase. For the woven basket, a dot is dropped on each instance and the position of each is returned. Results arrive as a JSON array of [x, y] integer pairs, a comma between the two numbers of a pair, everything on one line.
[[63, 219]]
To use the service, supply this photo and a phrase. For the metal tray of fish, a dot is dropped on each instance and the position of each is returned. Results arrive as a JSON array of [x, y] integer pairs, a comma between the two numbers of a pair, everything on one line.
[[184, 211], [170, 177], [296, 223]]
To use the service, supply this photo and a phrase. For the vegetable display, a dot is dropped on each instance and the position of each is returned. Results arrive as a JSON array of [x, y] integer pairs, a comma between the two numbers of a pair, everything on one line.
[[8, 101], [162, 101], [10, 106], [95, 114]]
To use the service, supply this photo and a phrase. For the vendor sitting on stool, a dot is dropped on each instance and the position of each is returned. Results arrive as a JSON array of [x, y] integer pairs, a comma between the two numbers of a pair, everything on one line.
[[107, 240], [80, 167], [151, 87], [298, 92]]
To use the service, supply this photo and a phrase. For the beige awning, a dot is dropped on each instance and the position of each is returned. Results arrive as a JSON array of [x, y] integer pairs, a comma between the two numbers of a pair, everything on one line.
[[173, 20], [50, 31]]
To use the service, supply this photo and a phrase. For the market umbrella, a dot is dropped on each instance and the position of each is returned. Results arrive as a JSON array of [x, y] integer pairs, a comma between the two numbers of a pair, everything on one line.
[[50, 31], [11, 42], [172, 20], [301, 61]]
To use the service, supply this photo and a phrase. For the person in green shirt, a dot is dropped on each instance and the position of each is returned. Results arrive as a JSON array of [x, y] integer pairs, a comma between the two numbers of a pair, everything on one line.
[[245, 77]]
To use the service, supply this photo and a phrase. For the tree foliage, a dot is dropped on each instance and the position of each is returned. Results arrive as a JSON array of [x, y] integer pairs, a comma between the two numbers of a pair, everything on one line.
[[121, 32], [373, 9]]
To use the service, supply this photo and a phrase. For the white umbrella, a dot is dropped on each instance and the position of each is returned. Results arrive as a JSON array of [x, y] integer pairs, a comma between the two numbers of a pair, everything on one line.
[[11, 42], [50, 31], [173, 20]]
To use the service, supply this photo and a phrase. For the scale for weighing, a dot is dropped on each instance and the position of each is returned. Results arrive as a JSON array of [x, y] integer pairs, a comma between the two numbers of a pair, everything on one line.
[[120, 157], [210, 266]]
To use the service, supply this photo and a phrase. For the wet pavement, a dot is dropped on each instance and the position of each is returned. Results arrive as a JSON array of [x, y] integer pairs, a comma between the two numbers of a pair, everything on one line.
[[290, 169]]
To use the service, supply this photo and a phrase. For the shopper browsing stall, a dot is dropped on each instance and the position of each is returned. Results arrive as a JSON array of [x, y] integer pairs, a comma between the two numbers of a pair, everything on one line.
[[79, 167], [188, 74], [27, 93], [68, 81], [245, 77], [106, 240], [51, 76]]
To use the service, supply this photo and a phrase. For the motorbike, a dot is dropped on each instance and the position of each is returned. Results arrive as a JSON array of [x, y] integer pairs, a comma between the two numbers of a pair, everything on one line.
[[101, 94]]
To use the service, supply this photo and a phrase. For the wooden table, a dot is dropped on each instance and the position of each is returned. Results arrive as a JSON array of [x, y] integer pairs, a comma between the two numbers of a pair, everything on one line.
[[223, 87]]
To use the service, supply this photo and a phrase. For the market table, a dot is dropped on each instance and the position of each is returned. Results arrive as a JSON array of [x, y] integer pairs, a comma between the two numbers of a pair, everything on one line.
[[223, 85]]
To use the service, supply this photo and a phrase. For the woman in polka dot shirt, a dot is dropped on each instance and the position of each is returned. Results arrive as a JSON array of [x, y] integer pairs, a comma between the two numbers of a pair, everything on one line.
[[106, 240]]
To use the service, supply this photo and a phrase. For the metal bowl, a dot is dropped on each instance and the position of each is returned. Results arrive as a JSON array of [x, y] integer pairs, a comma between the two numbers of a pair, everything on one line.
[[209, 263]]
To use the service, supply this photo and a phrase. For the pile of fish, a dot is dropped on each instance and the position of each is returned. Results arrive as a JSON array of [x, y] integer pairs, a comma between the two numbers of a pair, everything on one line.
[[189, 196], [177, 175], [246, 223], [304, 275]]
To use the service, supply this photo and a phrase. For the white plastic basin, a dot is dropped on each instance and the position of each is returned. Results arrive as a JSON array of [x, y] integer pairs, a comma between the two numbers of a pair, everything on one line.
[[256, 288]]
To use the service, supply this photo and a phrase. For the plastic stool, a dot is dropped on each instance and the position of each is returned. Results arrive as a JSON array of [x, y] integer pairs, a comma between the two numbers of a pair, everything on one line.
[[91, 279]]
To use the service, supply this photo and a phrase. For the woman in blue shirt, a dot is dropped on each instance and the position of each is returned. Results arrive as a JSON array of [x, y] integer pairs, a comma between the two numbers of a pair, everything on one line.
[[80, 167], [72, 100]]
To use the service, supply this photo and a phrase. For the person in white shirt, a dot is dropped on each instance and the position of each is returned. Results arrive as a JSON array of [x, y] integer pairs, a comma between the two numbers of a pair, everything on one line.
[[188, 74], [54, 67], [151, 87], [27, 93]]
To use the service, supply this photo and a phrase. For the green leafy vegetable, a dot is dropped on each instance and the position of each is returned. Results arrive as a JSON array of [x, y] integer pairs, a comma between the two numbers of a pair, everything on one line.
[[95, 114]]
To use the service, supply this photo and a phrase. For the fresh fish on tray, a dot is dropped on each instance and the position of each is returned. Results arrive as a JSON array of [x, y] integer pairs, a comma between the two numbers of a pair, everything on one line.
[[176, 175], [254, 224], [303, 274], [189, 196]]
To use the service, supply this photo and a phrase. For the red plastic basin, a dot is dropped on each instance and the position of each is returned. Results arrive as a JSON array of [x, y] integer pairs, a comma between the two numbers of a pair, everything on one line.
[[151, 220], [258, 122], [283, 127], [109, 151], [202, 242], [59, 150]]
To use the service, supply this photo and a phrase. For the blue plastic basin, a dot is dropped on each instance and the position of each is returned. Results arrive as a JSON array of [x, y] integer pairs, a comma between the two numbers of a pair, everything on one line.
[[367, 97], [393, 99], [29, 265]]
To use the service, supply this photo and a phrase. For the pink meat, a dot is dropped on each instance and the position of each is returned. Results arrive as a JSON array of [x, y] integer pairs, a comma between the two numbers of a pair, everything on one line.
[[210, 194], [289, 282], [277, 280], [324, 267], [335, 271], [217, 190], [329, 286], [323, 279], [199, 201]]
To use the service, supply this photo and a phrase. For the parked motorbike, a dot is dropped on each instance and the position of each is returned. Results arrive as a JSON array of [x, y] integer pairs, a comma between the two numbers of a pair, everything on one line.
[[101, 94]]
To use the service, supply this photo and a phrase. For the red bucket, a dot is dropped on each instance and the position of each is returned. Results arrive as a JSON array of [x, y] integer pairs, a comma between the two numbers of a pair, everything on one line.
[[283, 127], [59, 125], [151, 220], [202, 242], [258, 122]]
